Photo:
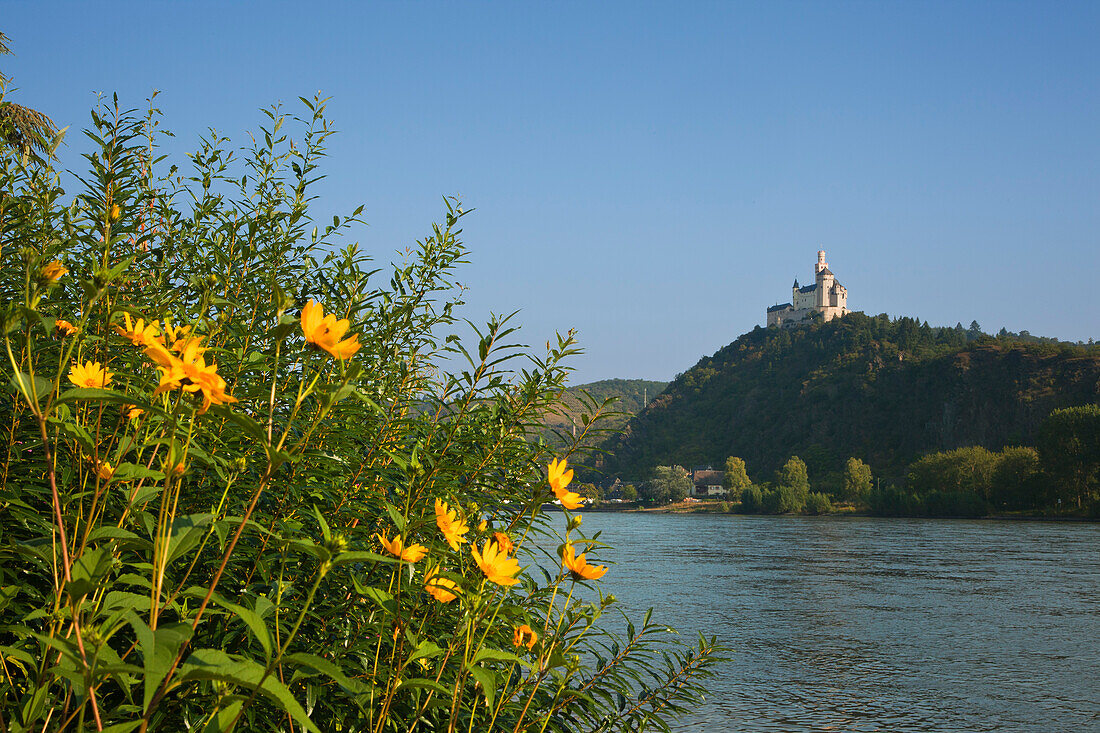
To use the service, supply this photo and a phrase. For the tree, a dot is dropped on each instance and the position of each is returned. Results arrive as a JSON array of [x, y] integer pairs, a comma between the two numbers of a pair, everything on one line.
[[857, 480], [22, 128], [668, 483], [966, 470], [1069, 447], [1017, 480], [630, 493], [589, 491], [735, 478], [793, 476]]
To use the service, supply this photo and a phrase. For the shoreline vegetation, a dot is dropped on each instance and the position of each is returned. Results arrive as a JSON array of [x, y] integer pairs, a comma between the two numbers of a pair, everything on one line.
[[715, 506]]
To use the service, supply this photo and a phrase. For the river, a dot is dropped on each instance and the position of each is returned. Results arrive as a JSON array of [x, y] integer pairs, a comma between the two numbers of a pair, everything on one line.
[[861, 624]]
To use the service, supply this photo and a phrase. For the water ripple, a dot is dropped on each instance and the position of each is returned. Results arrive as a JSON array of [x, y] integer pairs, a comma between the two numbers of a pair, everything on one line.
[[843, 624]]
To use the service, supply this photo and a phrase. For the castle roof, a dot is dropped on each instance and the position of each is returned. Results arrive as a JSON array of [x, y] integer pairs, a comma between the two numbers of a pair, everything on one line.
[[826, 271], [774, 308], [808, 288]]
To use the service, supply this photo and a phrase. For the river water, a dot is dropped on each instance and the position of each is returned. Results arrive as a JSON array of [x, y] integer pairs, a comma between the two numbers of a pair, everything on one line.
[[860, 624]]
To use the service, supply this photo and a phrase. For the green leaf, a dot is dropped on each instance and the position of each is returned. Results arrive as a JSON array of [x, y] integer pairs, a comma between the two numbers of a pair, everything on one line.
[[426, 649], [100, 395], [252, 619], [185, 533], [354, 556], [158, 650], [379, 596], [488, 681], [485, 654], [214, 664], [131, 471], [75, 432], [88, 571], [419, 682], [325, 532], [398, 519], [23, 383], [327, 668]]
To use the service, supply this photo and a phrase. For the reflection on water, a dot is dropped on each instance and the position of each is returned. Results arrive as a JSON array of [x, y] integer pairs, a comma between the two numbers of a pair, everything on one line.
[[844, 624]]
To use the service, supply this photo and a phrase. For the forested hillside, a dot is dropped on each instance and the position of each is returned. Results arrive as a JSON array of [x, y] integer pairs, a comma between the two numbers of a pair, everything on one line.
[[629, 396], [885, 391]]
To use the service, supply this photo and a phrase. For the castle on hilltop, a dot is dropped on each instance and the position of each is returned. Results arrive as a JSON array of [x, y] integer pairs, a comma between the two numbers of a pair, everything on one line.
[[826, 296]]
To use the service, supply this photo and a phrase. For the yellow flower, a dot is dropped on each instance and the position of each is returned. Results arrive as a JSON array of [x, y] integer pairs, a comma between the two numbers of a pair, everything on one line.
[[190, 373], [177, 338], [54, 271], [524, 636], [65, 328], [578, 567], [133, 413], [504, 542], [497, 566], [482, 525], [450, 524], [440, 588], [90, 374], [115, 211], [104, 471], [559, 479], [325, 332], [397, 548], [139, 334]]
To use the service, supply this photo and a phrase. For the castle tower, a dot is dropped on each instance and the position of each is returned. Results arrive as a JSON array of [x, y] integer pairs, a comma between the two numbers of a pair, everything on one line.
[[821, 263]]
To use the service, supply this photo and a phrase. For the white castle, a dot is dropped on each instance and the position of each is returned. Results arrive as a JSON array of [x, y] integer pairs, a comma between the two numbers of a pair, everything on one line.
[[826, 296]]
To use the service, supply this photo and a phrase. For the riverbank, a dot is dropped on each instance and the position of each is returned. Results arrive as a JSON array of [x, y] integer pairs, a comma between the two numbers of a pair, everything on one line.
[[695, 506]]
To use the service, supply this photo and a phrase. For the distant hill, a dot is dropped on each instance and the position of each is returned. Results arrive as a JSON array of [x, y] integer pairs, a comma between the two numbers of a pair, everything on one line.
[[886, 391], [583, 398]]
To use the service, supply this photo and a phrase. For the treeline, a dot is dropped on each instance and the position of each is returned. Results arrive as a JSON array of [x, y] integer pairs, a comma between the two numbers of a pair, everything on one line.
[[1059, 476], [887, 390]]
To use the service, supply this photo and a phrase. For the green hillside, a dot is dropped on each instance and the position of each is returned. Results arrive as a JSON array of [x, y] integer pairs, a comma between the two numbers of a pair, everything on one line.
[[886, 391], [584, 399]]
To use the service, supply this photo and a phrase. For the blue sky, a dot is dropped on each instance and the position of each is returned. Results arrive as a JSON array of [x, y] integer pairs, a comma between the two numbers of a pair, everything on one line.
[[655, 174]]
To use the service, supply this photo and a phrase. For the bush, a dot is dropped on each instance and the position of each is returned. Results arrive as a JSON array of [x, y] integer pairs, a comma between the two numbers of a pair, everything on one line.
[[224, 507], [782, 500], [955, 504], [894, 502], [752, 500], [818, 503]]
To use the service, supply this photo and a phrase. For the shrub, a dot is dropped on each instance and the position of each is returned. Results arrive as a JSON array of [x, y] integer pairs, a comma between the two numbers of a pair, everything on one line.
[[241, 487], [752, 500], [818, 503]]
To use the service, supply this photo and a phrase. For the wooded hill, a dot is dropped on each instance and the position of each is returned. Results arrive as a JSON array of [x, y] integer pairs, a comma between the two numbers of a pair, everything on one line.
[[885, 391], [584, 399]]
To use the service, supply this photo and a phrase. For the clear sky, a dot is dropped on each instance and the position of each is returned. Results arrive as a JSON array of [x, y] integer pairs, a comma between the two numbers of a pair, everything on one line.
[[655, 174]]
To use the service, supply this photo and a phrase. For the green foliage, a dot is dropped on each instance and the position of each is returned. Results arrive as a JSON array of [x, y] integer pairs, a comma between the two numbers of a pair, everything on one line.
[[783, 500], [1018, 483], [965, 470], [208, 541], [752, 500], [887, 390], [857, 480], [1069, 445], [668, 483], [735, 478], [588, 413], [793, 480], [818, 503], [629, 492]]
